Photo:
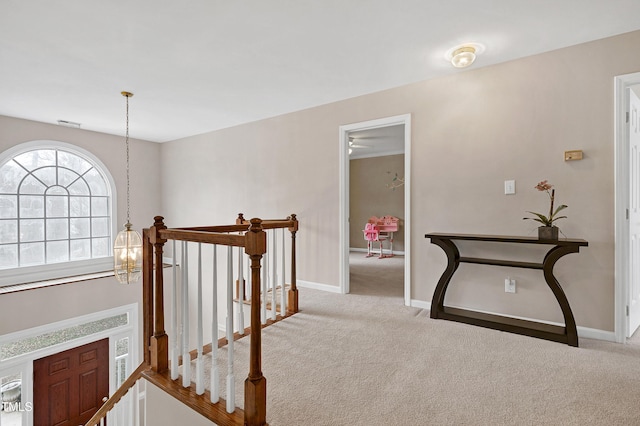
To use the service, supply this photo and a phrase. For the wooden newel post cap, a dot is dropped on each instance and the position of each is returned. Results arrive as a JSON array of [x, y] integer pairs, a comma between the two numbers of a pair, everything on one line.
[[158, 225], [294, 219], [256, 225]]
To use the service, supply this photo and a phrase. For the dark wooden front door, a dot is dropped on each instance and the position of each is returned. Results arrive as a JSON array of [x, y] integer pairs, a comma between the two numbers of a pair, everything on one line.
[[68, 387]]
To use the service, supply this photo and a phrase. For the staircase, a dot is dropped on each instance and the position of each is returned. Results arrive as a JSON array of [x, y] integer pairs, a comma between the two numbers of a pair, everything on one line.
[[166, 352]]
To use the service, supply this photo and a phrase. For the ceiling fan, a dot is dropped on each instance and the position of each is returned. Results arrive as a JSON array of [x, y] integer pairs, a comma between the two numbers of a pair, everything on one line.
[[353, 144]]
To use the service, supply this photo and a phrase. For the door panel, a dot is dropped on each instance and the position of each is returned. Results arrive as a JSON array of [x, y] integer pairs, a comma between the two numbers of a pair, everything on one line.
[[68, 387]]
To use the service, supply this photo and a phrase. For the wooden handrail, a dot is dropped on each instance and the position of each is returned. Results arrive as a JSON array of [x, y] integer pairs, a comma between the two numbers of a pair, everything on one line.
[[118, 394], [250, 235]]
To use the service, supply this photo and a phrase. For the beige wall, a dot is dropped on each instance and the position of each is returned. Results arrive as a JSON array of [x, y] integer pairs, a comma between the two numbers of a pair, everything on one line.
[[370, 196], [470, 132], [26, 309], [163, 409]]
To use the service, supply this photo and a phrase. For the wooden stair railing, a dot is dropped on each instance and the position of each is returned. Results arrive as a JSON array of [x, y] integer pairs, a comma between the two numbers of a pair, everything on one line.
[[253, 239], [115, 398], [155, 367]]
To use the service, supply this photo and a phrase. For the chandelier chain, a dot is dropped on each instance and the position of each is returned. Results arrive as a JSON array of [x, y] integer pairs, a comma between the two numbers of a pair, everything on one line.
[[127, 144]]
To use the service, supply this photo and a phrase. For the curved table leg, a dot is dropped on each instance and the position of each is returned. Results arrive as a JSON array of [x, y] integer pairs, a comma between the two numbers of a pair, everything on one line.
[[453, 261], [547, 265]]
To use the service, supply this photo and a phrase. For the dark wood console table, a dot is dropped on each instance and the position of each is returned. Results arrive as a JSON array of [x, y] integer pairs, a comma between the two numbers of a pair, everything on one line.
[[567, 334]]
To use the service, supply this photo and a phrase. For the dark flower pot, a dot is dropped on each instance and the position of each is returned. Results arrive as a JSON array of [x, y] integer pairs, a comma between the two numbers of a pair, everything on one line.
[[547, 232]]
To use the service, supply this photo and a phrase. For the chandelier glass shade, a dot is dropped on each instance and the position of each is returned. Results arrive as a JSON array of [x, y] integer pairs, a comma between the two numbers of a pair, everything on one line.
[[127, 255]]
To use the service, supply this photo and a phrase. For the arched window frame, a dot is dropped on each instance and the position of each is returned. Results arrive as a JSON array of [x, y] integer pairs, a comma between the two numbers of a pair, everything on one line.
[[36, 273]]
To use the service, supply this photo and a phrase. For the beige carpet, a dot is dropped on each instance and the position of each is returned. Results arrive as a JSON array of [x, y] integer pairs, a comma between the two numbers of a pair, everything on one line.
[[366, 359]]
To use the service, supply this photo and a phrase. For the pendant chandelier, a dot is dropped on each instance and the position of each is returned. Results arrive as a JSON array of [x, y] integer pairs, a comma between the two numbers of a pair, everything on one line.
[[127, 248]]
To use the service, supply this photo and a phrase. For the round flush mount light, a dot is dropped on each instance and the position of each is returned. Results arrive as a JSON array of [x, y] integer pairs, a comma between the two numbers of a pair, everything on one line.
[[464, 55]]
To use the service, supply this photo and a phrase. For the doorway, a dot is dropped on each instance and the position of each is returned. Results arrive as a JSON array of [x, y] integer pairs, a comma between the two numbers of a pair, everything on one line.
[[69, 387], [358, 133], [627, 206]]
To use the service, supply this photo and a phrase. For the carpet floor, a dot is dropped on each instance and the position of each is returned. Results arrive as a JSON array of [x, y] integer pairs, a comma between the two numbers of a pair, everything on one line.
[[366, 359]]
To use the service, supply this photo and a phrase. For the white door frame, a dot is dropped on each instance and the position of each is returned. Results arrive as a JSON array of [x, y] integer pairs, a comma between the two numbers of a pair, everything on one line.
[[405, 120], [621, 93]]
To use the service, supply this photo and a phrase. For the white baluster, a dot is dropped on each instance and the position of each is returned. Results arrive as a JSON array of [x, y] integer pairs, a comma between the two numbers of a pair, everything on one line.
[[283, 298], [231, 405], [264, 295], [186, 357], [175, 373], [214, 387], [130, 395], [200, 359], [240, 291], [274, 275]]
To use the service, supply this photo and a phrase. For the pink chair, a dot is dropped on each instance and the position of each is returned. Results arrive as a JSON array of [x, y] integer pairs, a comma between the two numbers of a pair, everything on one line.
[[371, 234]]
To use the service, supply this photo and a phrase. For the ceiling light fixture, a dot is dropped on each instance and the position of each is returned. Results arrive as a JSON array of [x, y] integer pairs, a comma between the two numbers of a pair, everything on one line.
[[464, 55], [127, 248]]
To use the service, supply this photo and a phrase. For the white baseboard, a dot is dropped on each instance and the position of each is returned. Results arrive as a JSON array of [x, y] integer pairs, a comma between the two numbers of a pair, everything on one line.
[[583, 332], [421, 304], [318, 286]]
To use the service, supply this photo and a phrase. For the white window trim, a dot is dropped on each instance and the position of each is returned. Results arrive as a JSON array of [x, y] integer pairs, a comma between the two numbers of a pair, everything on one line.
[[49, 271]]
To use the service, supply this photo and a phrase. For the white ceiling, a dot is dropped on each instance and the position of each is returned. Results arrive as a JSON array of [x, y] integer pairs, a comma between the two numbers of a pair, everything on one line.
[[376, 142], [200, 65]]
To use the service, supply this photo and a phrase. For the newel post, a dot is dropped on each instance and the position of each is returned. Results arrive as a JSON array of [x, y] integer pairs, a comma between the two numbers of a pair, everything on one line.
[[147, 293], [292, 306], [255, 386], [159, 341]]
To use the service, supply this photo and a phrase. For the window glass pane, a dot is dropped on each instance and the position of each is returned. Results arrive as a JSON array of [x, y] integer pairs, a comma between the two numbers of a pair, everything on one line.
[[13, 400], [79, 187], [79, 228], [9, 256], [57, 229], [30, 344], [79, 206], [57, 251], [96, 183], [57, 190], [66, 177], [31, 230], [80, 249], [31, 185], [8, 206], [99, 206], [54, 207], [57, 206], [10, 176], [47, 175], [31, 254], [8, 231], [73, 162], [100, 227], [38, 158], [31, 206], [101, 247]]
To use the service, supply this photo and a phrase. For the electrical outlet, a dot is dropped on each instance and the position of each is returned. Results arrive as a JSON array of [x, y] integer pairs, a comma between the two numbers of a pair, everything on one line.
[[509, 285]]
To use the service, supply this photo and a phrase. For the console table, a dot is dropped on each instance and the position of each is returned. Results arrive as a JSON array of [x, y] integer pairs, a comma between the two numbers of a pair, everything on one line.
[[567, 334]]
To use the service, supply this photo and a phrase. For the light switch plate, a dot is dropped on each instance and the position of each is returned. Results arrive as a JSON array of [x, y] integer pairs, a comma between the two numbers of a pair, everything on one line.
[[509, 187]]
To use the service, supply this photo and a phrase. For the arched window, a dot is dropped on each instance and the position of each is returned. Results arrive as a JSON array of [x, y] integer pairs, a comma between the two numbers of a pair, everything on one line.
[[56, 207]]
